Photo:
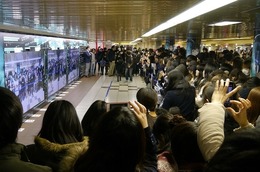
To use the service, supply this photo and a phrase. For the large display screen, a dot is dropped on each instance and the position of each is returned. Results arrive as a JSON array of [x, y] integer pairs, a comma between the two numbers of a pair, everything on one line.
[[56, 71], [2, 73], [62, 57], [24, 76], [73, 65], [23, 63]]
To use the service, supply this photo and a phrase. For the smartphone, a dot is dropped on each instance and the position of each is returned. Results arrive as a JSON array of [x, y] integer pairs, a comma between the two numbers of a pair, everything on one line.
[[231, 86]]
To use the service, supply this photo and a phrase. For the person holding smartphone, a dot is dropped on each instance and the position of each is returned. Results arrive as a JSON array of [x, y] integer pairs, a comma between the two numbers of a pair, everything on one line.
[[212, 116]]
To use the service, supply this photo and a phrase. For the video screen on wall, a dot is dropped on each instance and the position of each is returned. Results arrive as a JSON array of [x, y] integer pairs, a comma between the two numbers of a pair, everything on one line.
[[56, 71], [73, 65], [24, 76]]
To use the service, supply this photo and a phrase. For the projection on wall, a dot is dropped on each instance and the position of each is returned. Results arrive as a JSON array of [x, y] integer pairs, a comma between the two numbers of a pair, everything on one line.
[[73, 65], [56, 71], [24, 76]]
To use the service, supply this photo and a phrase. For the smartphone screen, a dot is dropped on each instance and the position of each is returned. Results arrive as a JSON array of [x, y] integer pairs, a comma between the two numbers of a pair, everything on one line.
[[230, 88]]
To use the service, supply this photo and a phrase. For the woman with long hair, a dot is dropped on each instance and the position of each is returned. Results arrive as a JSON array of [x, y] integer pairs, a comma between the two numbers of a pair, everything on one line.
[[254, 111], [91, 117], [60, 141], [121, 142]]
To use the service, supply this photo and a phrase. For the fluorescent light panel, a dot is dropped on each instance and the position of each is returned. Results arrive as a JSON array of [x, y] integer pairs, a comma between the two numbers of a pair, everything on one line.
[[138, 39], [197, 10], [224, 23]]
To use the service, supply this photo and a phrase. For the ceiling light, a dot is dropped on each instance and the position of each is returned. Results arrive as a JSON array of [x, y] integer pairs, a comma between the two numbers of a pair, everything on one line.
[[138, 39], [224, 23], [197, 10]]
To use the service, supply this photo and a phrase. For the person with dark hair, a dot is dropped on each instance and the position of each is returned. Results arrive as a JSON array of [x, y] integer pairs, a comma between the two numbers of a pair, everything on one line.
[[120, 142], [60, 141], [10, 121], [91, 117], [162, 132], [148, 97], [184, 146], [87, 58], [119, 64], [175, 110], [198, 75], [226, 67], [208, 69], [99, 56], [249, 84], [237, 63], [129, 61], [246, 69], [191, 77], [238, 77], [203, 57], [160, 111], [111, 58], [180, 93], [239, 152]]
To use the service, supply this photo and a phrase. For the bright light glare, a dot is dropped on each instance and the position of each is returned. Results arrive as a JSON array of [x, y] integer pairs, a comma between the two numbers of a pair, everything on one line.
[[197, 10], [138, 39], [224, 23]]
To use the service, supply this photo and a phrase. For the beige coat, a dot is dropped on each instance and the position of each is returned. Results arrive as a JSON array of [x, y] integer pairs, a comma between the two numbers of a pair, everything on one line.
[[210, 128]]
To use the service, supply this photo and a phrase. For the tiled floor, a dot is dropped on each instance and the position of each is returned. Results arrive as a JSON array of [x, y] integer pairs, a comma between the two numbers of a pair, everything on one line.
[[82, 94]]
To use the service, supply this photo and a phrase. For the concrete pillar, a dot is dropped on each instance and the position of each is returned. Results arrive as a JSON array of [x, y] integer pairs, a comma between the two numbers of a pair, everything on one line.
[[2, 61], [193, 37], [158, 43], [170, 41], [255, 65], [44, 55]]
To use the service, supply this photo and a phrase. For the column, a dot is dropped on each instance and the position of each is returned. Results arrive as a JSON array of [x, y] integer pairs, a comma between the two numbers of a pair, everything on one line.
[[158, 43], [256, 48], [44, 54], [170, 41], [193, 38], [2, 61], [67, 51]]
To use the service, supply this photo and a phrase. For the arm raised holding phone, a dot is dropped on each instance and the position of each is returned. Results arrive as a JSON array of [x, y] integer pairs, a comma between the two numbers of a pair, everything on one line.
[[212, 115]]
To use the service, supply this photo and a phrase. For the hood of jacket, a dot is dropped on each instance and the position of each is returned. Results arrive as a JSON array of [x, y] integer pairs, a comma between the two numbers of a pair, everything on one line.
[[69, 152]]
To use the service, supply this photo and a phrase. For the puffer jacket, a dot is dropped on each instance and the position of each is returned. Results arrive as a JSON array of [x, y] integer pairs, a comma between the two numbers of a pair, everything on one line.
[[60, 157]]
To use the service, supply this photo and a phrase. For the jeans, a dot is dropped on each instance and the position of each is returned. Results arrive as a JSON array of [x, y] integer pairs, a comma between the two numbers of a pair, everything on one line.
[[129, 73]]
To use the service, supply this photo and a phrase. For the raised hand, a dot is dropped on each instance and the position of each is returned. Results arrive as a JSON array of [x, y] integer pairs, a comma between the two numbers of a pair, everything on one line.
[[140, 112], [240, 115], [220, 94]]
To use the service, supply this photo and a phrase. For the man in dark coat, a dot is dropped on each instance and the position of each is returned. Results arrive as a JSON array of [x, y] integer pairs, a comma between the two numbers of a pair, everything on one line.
[[10, 121]]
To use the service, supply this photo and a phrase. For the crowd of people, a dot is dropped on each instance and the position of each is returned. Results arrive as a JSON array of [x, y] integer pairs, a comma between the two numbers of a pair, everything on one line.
[[186, 119]]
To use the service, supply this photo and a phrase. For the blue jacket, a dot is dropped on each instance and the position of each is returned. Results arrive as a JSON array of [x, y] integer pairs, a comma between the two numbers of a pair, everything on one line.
[[87, 57]]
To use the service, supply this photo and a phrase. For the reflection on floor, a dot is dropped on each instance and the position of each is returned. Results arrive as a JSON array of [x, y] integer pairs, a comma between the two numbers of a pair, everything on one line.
[[82, 94]]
